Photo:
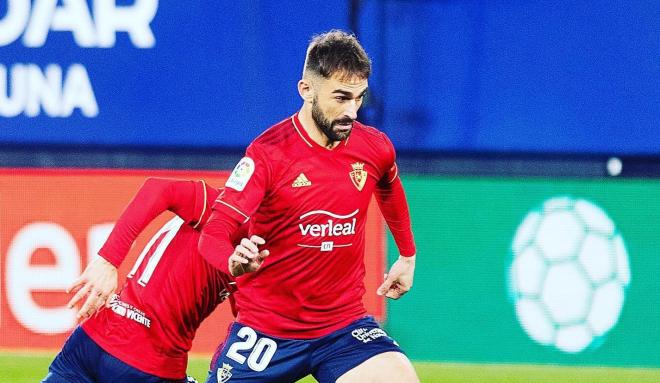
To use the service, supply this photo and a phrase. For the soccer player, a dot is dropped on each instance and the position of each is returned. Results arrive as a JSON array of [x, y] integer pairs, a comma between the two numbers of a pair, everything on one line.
[[146, 333], [304, 185]]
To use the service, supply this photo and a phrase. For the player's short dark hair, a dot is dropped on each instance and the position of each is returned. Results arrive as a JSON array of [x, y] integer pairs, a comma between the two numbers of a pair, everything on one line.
[[337, 53]]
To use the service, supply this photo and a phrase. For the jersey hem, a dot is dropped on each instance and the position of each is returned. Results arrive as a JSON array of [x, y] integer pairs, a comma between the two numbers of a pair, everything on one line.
[[132, 360], [300, 334]]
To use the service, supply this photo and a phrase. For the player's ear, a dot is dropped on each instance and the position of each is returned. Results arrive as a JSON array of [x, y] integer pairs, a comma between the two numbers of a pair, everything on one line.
[[306, 89]]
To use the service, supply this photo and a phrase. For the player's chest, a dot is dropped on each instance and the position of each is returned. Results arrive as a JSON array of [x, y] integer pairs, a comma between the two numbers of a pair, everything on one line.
[[318, 182]]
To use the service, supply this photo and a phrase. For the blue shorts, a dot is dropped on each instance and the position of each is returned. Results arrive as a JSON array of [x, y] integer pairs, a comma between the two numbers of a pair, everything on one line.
[[248, 355], [83, 361]]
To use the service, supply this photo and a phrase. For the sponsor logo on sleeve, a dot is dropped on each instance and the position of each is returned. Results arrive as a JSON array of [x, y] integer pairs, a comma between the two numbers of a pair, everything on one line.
[[241, 174]]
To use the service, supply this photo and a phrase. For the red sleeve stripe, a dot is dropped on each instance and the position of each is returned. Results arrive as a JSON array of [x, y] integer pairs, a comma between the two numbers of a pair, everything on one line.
[[234, 209]]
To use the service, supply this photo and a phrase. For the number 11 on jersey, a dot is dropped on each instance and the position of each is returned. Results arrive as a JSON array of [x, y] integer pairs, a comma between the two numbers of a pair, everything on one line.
[[167, 232]]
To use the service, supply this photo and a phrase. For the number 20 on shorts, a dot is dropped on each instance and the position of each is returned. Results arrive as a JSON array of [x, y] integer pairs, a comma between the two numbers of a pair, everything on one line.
[[262, 349]]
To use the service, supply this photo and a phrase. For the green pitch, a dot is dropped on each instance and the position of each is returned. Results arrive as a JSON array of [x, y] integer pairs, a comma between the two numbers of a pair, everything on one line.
[[30, 368]]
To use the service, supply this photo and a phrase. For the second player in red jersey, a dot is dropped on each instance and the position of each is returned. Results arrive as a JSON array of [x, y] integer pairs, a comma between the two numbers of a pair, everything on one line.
[[159, 311], [169, 291]]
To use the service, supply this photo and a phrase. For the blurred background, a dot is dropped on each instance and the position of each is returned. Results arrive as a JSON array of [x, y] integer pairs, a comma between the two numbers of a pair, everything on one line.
[[528, 138]]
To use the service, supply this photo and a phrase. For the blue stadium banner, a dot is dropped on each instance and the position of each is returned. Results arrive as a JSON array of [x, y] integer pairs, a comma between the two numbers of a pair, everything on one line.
[[457, 76], [149, 72]]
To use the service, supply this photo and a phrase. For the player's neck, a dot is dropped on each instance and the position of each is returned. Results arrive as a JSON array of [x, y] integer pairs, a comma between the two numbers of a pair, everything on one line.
[[314, 132]]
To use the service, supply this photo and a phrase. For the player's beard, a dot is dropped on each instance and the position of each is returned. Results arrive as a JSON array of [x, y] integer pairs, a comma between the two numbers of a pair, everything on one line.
[[327, 126]]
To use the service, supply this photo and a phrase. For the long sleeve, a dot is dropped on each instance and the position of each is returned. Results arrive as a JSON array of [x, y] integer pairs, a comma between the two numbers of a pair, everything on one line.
[[215, 243], [187, 199], [394, 207], [243, 192]]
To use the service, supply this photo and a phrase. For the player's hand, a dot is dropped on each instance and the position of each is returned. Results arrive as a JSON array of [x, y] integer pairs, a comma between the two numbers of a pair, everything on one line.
[[98, 282], [247, 258], [400, 278]]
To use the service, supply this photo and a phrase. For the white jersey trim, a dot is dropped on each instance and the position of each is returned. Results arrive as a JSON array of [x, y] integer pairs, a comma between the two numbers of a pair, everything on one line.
[[318, 246], [396, 174], [204, 208], [330, 214]]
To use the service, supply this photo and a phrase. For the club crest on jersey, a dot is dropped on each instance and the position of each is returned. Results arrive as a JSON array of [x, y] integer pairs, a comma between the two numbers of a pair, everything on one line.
[[241, 174], [224, 373], [358, 175]]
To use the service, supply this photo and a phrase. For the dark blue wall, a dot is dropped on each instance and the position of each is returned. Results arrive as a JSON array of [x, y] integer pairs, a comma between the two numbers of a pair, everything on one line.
[[521, 76], [518, 75], [219, 73]]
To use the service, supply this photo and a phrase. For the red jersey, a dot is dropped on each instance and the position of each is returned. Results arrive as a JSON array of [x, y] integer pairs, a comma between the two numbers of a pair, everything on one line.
[[170, 289], [310, 205]]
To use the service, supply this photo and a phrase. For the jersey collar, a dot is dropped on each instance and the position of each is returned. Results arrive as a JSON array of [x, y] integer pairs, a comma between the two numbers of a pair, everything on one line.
[[302, 133]]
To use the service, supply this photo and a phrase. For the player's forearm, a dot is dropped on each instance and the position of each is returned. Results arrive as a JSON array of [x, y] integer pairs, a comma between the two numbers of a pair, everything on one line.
[[394, 207], [154, 197], [215, 243]]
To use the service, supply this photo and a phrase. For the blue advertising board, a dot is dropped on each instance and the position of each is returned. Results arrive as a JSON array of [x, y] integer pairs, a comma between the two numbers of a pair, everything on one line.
[[149, 72], [471, 76], [517, 76]]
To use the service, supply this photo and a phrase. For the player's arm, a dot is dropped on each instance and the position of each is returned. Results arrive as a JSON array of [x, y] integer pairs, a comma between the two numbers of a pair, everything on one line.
[[393, 205], [244, 191], [188, 199]]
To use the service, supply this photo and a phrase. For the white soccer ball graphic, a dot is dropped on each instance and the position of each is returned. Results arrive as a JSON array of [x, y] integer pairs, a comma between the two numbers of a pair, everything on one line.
[[568, 274]]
